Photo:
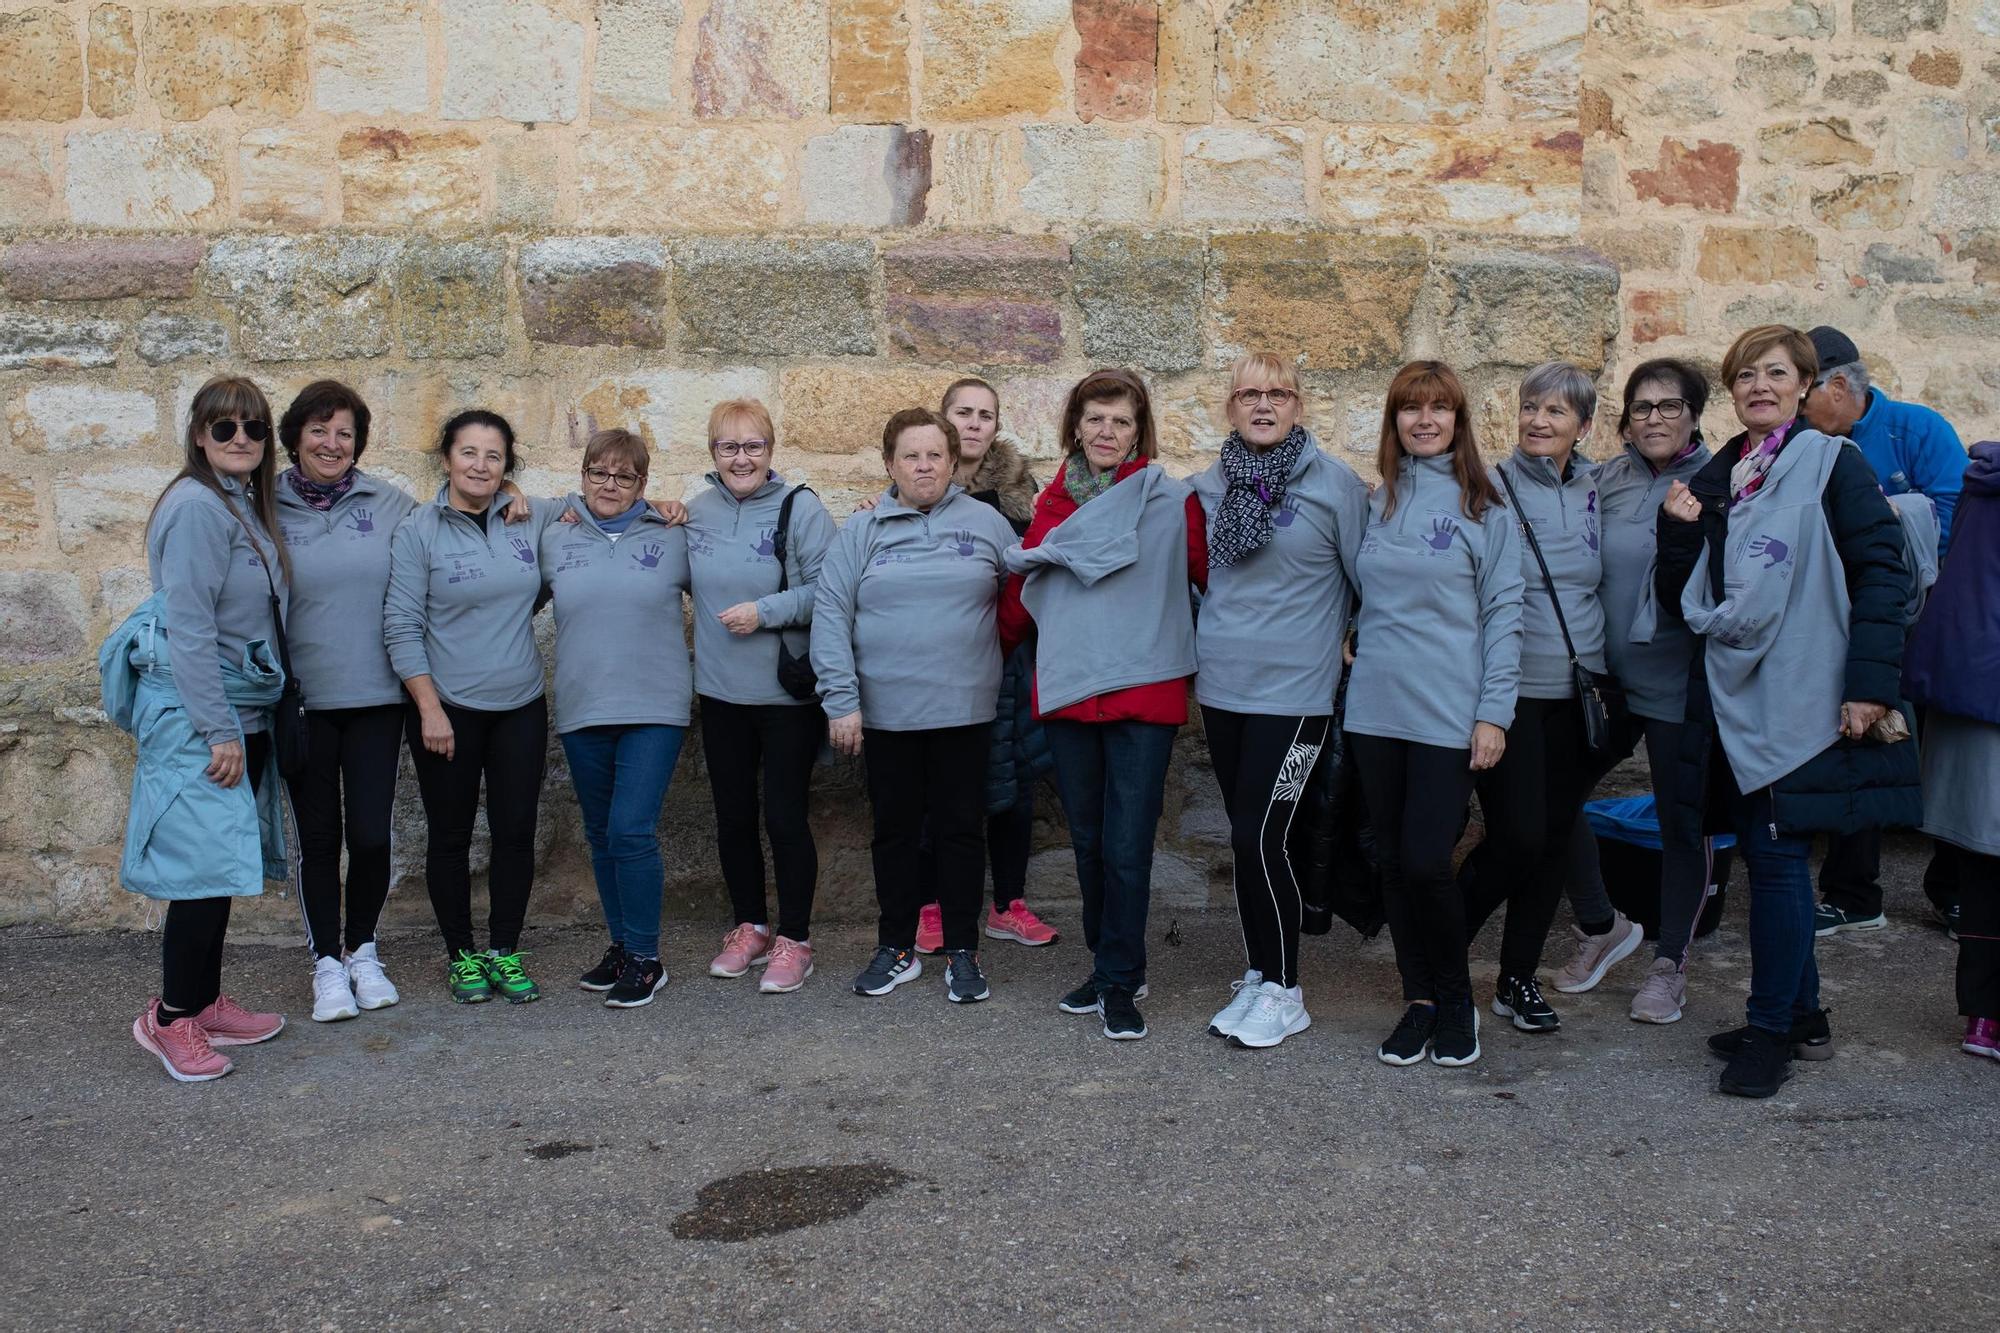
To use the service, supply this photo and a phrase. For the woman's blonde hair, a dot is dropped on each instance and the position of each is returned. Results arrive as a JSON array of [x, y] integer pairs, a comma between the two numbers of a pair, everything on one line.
[[731, 408], [1272, 370]]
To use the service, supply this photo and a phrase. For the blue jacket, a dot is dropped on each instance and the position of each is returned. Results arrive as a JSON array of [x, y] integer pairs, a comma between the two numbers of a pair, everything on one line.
[[1912, 448], [1953, 659], [185, 836]]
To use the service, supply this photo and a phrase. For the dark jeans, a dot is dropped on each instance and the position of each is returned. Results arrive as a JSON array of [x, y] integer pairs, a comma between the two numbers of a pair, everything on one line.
[[191, 939], [1850, 877], [935, 776], [1262, 763], [1784, 974], [509, 749], [1416, 797], [350, 772], [780, 741], [621, 774], [1010, 840], [1112, 778], [1978, 884]]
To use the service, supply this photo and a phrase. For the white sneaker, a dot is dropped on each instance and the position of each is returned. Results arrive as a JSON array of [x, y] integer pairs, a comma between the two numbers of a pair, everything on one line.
[[333, 998], [1239, 1004], [372, 987], [1274, 1014]]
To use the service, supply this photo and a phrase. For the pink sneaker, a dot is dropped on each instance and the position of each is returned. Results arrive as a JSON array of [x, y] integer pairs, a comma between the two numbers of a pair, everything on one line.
[[181, 1045], [228, 1023], [930, 928], [791, 964], [743, 948], [1019, 924], [1982, 1037]]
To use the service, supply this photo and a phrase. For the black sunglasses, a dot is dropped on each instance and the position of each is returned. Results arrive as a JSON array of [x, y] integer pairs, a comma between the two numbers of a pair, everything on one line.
[[222, 432]]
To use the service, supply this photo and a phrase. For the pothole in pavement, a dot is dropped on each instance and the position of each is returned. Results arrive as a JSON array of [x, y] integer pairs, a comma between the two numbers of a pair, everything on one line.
[[753, 1204]]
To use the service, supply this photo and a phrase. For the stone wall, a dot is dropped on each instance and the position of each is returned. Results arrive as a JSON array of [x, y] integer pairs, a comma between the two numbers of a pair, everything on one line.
[[622, 210]]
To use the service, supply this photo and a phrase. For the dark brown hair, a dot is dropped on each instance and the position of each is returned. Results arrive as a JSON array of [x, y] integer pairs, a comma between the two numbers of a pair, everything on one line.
[[232, 398], [1422, 382], [910, 418], [1693, 384], [317, 402], [1102, 386], [477, 416]]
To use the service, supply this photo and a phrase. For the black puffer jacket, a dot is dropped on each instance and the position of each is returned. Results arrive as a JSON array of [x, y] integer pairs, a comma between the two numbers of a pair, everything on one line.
[[1851, 785], [1019, 752]]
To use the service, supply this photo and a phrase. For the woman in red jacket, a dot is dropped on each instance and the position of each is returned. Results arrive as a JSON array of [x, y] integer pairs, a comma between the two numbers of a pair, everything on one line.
[[1103, 575]]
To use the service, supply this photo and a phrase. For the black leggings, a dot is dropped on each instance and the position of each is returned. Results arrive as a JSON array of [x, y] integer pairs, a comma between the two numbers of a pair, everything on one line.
[[509, 749], [1416, 797], [191, 939], [1010, 840], [918, 777], [781, 741], [350, 771], [1978, 884], [1262, 763]]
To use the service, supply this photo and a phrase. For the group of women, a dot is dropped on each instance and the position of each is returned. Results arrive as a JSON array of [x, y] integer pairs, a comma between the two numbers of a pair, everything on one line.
[[1509, 631]]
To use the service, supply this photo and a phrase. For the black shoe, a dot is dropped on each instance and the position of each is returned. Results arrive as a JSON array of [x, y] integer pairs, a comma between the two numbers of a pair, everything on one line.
[[637, 984], [1811, 1038], [1122, 1019], [1083, 1000], [1520, 998], [605, 975], [1946, 916], [890, 968], [964, 983], [1759, 1067], [1456, 1041], [1412, 1037]]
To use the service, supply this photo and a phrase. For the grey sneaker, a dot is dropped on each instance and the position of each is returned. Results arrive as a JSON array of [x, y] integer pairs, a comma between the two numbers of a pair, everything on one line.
[[1598, 954], [1244, 993], [1661, 998], [964, 983], [889, 969]]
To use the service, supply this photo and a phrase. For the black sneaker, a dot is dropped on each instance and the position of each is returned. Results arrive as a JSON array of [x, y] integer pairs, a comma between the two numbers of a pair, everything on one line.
[[889, 969], [638, 982], [1520, 998], [1760, 1066], [1122, 1019], [1083, 1000], [1412, 1037], [1456, 1041], [605, 975], [1811, 1037], [964, 983], [1947, 917]]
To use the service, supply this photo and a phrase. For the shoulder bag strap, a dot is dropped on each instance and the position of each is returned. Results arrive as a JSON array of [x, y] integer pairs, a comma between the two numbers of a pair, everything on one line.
[[1528, 532], [277, 611], [779, 542]]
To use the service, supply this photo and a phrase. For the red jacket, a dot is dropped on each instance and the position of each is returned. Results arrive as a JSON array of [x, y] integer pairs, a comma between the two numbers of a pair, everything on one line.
[[1162, 701]]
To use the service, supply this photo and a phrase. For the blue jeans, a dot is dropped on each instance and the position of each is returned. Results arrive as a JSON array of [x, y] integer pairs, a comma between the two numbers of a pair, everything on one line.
[[621, 775], [1784, 974], [1112, 777]]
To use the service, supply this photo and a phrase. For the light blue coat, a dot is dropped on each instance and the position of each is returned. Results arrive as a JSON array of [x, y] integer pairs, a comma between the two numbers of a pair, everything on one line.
[[185, 836]]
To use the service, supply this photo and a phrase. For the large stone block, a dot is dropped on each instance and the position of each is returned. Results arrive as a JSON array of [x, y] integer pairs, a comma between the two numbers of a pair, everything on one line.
[[114, 62], [1231, 174], [1704, 176], [776, 296], [1116, 62], [1538, 50], [145, 178], [67, 791], [165, 338], [48, 342], [586, 291], [27, 186], [1966, 199], [1185, 68], [1828, 142], [969, 185], [300, 299], [979, 299], [1372, 60], [67, 418], [713, 179], [451, 298], [1933, 131], [1968, 315], [1140, 295], [1332, 301], [634, 75], [1657, 315], [987, 59], [100, 269], [250, 57], [760, 59], [368, 57], [109, 507], [395, 178], [867, 176], [1777, 78], [1078, 174], [1740, 255], [869, 59], [1894, 20], [1869, 203], [669, 410], [43, 618], [43, 64], [283, 176], [1404, 176], [525, 179], [1513, 308], [840, 409], [510, 60]]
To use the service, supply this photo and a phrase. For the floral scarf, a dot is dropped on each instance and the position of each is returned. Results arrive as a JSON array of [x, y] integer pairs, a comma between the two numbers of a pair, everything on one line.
[[1754, 465], [1256, 487]]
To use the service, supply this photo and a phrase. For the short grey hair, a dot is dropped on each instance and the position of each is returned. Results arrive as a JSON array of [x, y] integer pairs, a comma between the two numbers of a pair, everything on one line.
[[1854, 372], [1560, 379]]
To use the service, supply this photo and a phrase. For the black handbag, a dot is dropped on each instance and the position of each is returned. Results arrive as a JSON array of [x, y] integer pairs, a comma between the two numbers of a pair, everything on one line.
[[795, 673], [291, 737], [1606, 718]]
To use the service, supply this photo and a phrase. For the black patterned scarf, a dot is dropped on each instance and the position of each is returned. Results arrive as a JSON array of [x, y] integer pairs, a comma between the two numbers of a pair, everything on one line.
[[1256, 487]]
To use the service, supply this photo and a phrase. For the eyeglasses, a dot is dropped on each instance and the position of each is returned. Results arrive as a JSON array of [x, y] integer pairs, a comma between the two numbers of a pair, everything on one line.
[[747, 448], [1275, 397], [222, 432], [1669, 409], [624, 481]]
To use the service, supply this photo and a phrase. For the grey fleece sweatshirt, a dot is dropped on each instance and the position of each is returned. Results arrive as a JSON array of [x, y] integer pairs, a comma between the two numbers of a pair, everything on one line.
[[1271, 625], [1564, 516], [340, 574], [1438, 638], [461, 603], [621, 658], [730, 559], [905, 627], [1629, 495], [218, 599]]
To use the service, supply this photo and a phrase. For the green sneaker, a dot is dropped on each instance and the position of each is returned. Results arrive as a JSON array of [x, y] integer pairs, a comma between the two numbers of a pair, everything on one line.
[[468, 979], [506, 976]]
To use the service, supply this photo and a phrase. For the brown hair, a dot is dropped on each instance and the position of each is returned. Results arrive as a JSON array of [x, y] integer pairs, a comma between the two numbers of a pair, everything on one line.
[[729, 408], [1102, 386], [613, 446], [1751, 345], [911, 418], [1422, 382], [318, 402], [969, 382], [231, 397]]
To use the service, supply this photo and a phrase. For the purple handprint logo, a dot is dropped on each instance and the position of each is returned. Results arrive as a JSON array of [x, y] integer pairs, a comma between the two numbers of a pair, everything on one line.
[[1443, 530], [1285, 514], [363, 521], [522, 550], [766, 543], [1770, 550], [649, 555], [962, 542]]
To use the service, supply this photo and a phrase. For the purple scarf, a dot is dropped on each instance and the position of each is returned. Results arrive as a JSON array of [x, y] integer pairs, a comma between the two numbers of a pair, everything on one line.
[[319, 496]]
